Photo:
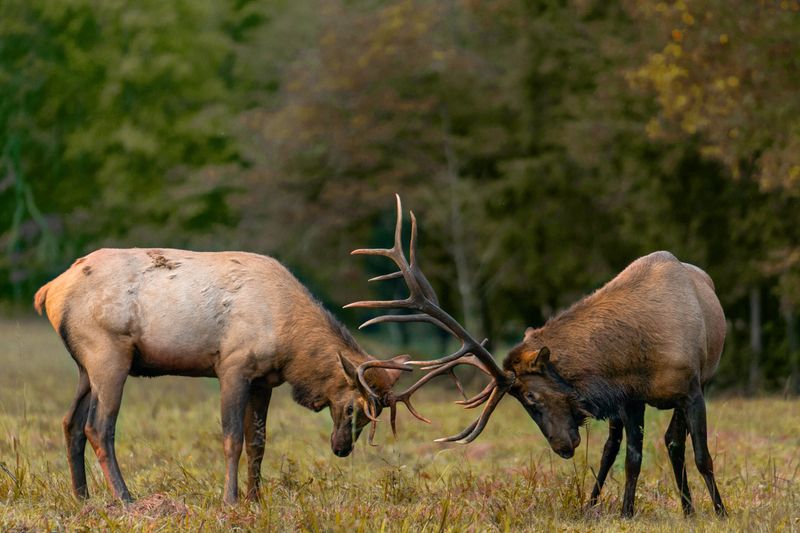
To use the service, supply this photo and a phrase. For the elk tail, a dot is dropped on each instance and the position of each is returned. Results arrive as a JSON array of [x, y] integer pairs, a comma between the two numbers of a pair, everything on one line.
[[40, 297]]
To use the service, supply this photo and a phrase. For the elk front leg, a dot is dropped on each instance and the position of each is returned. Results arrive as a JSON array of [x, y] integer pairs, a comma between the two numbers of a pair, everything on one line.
[[234, 391], [101, 420], [696, 418], [610, 451], [73, 425], [634, 432], [675, 439], [255, 423]]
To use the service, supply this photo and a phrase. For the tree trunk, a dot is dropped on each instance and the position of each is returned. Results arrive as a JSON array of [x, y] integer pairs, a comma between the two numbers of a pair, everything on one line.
[[465, 275], [755, 340], [793, 384]]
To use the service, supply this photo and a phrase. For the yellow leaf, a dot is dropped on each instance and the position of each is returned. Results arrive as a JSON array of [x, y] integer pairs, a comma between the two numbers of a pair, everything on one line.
[[674, 49]]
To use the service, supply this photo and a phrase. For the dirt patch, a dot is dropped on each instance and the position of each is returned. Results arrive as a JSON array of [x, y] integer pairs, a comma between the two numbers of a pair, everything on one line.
[[156, 506], [151, 507]]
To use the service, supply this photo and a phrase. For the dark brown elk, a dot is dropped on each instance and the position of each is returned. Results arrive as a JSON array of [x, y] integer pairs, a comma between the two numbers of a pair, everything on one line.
[[652, 335], [240, 317]]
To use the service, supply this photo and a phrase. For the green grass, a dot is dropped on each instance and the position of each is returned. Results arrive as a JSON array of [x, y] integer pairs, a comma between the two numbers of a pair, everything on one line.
[[170, 451]]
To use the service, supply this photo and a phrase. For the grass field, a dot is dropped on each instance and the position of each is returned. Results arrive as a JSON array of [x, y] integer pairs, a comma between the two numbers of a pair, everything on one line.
[[170, 451]]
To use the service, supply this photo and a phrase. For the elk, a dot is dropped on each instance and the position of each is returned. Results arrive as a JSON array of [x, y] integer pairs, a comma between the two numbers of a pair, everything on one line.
[[652, 335], [242, 318]]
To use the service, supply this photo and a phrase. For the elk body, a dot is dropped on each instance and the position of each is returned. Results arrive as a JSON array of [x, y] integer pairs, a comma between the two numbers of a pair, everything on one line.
[[240, 317], [652, 335]]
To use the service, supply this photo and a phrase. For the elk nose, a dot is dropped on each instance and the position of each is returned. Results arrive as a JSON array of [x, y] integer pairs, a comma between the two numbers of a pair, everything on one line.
[[342, 452], [576, 440], [565, 452]]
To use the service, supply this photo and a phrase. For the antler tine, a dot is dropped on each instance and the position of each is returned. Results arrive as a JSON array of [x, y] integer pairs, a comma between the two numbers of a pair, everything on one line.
[[398, 227], [491, 404], [478, 399], [373, 426], [419, 317], [475, 429], [459, 436], [384, 277], [460, 353], [381, 304]]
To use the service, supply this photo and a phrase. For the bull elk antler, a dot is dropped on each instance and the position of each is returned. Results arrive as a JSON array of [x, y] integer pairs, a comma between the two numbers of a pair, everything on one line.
[[422, 298]]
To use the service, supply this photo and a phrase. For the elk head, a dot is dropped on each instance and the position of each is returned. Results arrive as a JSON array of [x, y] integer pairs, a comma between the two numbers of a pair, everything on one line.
[[549, 400], [424, 301], [350, 407]]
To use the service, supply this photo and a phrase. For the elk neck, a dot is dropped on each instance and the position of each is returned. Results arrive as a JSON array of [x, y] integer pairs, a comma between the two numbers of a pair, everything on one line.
[[311, 341], [588, 356]]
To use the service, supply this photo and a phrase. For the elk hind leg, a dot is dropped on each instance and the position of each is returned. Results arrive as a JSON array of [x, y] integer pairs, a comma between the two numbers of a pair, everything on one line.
[[675, 439], [73, 425], [255, 420], [610, 451], [106, 396], [696, 418]]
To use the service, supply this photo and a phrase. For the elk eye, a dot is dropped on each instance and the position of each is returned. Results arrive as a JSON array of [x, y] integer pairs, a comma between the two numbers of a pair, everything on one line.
[[529, 398], [349, 409]]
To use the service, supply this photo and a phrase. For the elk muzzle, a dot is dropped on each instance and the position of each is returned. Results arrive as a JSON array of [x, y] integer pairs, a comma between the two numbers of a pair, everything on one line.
[[345, 433], [342, 441], [565, 445], [566, 448]]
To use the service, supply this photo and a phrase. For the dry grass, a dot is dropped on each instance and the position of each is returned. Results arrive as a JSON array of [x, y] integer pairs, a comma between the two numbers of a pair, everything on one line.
[[168, 443]]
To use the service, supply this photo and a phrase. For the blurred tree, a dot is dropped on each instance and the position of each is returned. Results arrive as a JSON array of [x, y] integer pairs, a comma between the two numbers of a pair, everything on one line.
[[115, 122], [727, 75], [389, 98]]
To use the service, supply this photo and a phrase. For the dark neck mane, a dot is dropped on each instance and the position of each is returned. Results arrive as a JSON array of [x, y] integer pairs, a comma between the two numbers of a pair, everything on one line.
[[596, 397], [312, 340], [580, 339]]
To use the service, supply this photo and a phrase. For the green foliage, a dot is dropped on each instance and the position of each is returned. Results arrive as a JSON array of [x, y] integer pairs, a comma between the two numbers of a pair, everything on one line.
[[116, 120], [543, 145]]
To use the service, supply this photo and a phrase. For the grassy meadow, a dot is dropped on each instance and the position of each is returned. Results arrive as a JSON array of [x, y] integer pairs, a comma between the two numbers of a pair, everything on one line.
[[170, 451]]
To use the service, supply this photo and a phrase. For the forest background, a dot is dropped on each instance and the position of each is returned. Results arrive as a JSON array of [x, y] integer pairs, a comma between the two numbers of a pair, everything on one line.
[[543, 144]]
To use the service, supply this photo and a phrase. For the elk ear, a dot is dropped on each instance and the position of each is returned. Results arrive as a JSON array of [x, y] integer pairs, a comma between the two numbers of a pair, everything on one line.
[[349, 370], [528, 333], [543, 357], [534, 361]]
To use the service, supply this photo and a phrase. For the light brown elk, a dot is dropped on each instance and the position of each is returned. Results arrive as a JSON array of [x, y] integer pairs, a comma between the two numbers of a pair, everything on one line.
[[240, 317], [652, 335]]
